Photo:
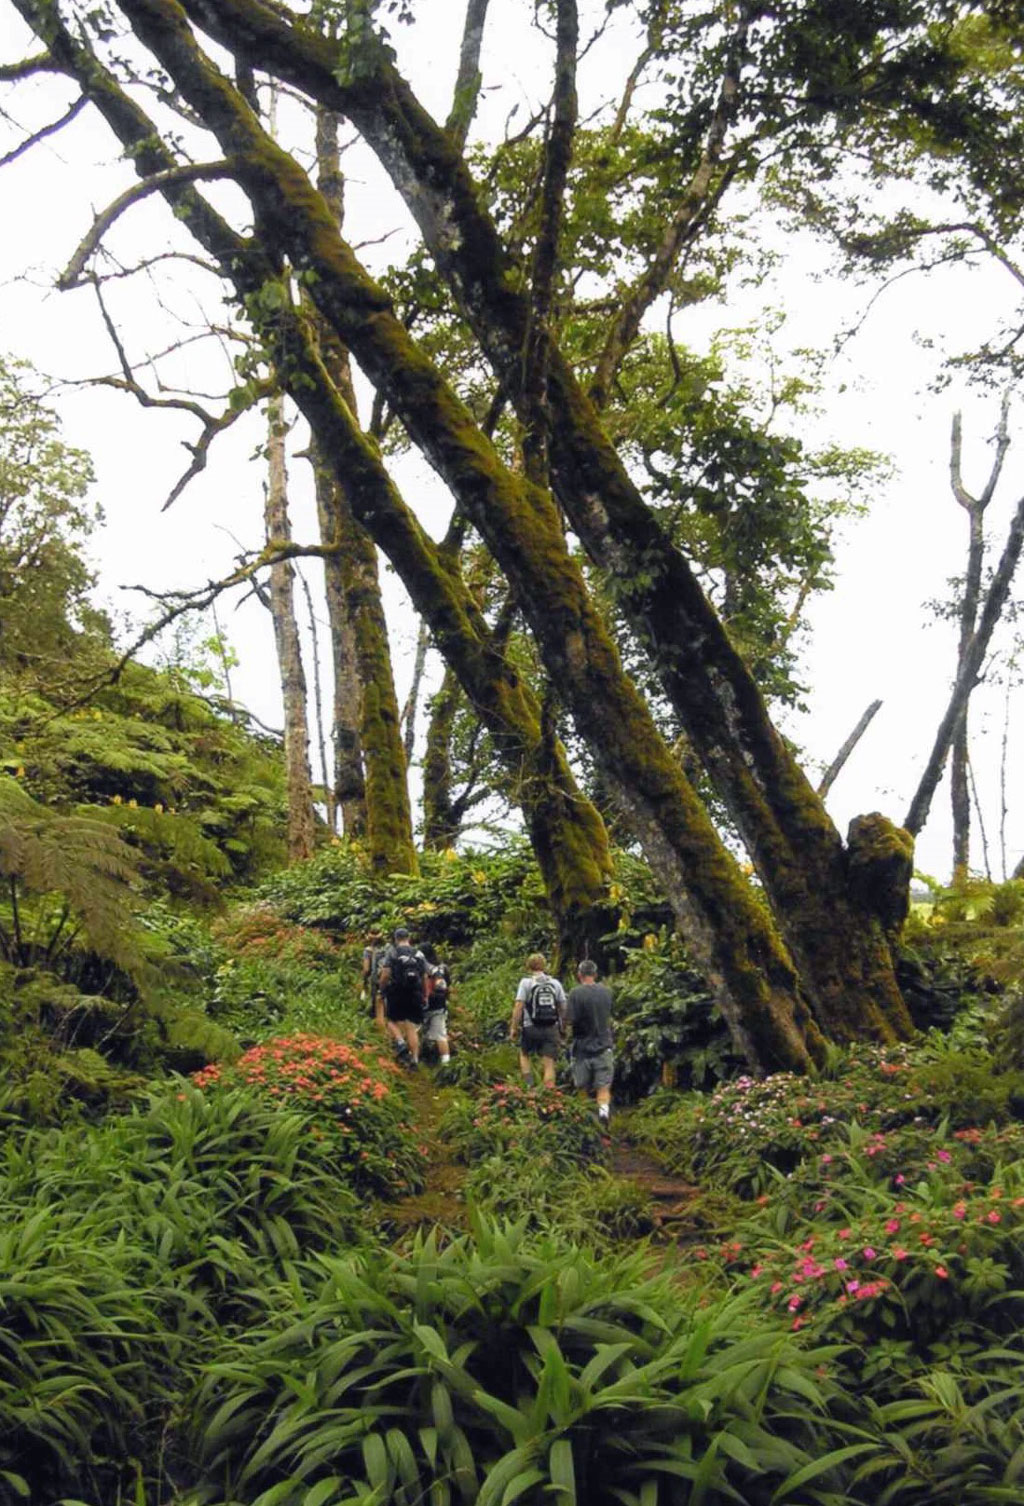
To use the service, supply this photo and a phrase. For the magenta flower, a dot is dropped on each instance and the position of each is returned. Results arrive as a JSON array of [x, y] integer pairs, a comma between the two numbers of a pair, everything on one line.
[[840, 1265], [869, 1252]]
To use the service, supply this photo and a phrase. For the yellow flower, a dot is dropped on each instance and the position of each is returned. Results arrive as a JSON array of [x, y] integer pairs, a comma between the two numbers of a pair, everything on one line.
[[133, 805], [116, 799], [158, 808], [19, 772]]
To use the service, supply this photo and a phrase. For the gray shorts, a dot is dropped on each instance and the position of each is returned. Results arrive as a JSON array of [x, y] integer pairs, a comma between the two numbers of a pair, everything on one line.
[[540, 1040], [593, 1071], [435, 1025]]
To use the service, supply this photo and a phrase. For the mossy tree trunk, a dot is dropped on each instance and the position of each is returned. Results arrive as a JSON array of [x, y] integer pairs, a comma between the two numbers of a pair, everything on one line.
[[562, 823], [370, 755], [754, 978], [751, 972], [441, 820], [301, 818], [840, 947], [349, 783]]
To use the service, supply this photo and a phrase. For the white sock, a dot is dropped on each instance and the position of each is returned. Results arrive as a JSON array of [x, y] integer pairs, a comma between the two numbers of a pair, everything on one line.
[[445, 1059]]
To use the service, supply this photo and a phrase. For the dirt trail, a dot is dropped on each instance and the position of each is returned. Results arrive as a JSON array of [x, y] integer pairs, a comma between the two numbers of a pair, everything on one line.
[[671, 1198], [440, 1201]]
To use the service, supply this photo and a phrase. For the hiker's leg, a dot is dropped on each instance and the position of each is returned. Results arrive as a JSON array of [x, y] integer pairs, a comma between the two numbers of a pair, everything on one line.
[[549, 1071], [412, 1038], [526, 1067], [378, 1012]]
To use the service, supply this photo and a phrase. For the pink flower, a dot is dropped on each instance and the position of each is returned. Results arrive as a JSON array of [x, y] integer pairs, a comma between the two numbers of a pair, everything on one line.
[[840, 1265], [994, 1217], [825, 1160], [943, 1155], [794, 1302], [898, 1253], [776, 1288], [941, 1272], [869, 1253], [959, 1210], [892, 1226], [845, 1233]]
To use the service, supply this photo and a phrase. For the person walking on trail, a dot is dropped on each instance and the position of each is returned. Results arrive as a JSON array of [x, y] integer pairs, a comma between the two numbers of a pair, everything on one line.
[[403, 975], [589, 1014], [538, 1016], [373, 957], [435, 1009]]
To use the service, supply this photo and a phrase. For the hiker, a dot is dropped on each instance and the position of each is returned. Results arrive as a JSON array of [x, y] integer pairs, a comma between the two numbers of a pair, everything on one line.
[[589, 1015], [435, 1010], [539, 1010], [373, 956], [403, 974]]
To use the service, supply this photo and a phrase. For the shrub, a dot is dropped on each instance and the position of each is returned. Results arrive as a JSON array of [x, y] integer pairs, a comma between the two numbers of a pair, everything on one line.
[[352, 1098], [511, 1118]]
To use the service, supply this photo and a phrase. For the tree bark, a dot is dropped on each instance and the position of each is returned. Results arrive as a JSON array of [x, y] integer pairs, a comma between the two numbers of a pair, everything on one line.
[[840, 948], [368, 685], [960, 796], [301, 818]]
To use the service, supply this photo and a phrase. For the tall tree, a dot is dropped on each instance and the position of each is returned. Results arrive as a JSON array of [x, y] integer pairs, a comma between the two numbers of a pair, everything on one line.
[[970, 595], [301, 817]]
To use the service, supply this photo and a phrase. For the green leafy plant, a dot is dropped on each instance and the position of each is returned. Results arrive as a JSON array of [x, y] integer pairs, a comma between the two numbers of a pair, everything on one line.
[[352, 1098]]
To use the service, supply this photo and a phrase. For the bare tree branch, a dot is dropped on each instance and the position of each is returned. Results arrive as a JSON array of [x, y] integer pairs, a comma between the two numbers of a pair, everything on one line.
[[185, 172], [47, 130], [830, 775], [967, 676]]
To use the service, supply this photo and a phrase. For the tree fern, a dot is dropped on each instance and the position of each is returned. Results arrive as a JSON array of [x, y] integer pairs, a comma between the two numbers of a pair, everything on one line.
[[77, 857]]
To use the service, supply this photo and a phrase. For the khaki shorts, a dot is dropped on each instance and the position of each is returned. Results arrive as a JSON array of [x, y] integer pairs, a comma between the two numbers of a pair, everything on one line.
[[593, 1071]]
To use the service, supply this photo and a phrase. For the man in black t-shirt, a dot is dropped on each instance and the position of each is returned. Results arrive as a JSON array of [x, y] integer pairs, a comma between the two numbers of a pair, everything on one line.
[[589, 1015]]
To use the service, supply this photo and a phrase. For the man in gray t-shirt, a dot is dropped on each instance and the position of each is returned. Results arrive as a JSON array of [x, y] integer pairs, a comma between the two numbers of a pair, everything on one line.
[[589, 1014]]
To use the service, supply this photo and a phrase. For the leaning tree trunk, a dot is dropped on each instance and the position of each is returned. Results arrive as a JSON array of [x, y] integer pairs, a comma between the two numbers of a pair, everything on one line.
[[301, 819], [837, 939], [753, 976]]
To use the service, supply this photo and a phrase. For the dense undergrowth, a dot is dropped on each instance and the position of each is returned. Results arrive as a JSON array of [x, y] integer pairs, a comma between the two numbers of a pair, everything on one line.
[[210, 1294]]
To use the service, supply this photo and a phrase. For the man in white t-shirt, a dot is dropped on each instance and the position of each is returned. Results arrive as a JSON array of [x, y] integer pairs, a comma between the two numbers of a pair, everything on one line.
[[538, 1018]]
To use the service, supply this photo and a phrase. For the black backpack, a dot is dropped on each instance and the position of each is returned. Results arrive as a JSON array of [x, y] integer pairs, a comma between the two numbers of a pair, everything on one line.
[[541, 1005], [408, 970]]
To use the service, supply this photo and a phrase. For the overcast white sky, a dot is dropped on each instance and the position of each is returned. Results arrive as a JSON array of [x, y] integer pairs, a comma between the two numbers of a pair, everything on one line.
[[872, 637]]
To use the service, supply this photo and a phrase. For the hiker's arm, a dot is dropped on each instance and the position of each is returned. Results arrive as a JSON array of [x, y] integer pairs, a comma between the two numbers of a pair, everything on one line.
[[517, 1015]]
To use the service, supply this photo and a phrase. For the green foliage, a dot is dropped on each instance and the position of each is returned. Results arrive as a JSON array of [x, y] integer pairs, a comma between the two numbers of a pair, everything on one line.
[[496, 1368], [75, 868], [125, 1250], [454, 899], [531, 1121], [664, 1016], [354, 1099]]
